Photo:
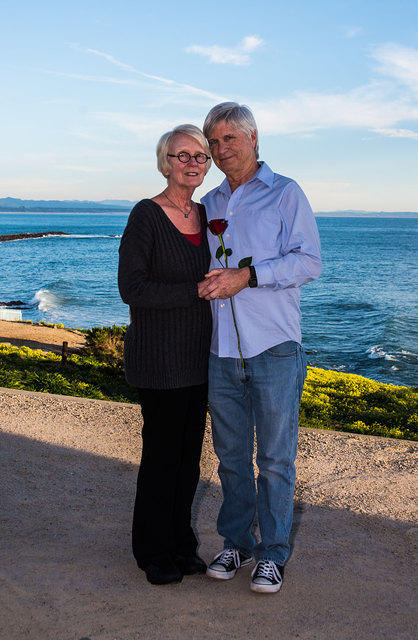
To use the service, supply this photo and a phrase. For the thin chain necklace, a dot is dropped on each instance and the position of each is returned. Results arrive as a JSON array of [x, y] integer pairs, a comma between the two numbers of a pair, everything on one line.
[[186, 215]]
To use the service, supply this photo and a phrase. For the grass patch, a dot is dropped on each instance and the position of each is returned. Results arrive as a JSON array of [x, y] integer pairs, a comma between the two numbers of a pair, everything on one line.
[[82, 375], [331, 400]]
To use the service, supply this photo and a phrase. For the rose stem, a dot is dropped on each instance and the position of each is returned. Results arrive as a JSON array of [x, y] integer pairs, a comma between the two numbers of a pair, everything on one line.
[[232, 306]]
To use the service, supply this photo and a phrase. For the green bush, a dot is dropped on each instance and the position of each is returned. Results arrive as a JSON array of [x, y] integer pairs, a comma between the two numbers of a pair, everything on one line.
[[331, 400], [106, 344], [85, 376], [347, 402]]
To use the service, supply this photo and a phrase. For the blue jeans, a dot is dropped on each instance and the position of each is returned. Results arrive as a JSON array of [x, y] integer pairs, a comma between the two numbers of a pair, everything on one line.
[[266, 393]]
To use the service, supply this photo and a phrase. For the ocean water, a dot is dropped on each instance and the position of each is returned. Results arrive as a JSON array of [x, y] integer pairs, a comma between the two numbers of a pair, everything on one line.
[[359, 317]]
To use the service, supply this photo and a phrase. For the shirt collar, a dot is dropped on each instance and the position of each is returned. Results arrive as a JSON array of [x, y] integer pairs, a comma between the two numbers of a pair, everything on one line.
[[264, 174]]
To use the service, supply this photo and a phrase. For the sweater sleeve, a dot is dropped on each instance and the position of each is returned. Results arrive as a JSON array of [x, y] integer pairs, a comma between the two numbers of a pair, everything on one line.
[[135, 286]]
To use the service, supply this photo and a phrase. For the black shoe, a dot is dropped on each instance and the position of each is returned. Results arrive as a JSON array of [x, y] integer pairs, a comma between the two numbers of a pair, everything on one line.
[[189, 565], [162, 572], [225, 565], [267, 577]]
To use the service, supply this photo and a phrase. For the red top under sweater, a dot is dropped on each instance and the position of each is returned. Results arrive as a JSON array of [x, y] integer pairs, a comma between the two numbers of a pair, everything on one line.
[[196, 238]]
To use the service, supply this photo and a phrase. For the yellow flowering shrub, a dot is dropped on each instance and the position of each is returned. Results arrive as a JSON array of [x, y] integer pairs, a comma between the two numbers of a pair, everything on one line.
[[330, 400]]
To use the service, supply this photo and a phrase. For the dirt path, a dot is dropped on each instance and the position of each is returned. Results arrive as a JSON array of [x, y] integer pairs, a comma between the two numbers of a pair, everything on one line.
[[68, 466], [38, 337]]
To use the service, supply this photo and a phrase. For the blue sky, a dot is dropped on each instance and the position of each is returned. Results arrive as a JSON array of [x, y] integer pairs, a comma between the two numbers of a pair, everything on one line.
[[88, 88]]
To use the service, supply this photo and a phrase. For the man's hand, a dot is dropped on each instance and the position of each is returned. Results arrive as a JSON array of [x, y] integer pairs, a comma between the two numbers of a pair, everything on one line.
[[223, 283]]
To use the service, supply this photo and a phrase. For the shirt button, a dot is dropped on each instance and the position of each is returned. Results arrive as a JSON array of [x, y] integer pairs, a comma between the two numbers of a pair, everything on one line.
[[223, 304], [231, 213], [264, 286], [227, 235]]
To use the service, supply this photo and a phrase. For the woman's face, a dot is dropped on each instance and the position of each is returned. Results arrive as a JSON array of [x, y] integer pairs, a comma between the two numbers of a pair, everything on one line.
[[190, 174]]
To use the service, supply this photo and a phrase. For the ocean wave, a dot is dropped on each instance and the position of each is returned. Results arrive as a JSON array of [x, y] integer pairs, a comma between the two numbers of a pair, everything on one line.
[[53, 295], [404, 352], [377, 351], [45, 300]]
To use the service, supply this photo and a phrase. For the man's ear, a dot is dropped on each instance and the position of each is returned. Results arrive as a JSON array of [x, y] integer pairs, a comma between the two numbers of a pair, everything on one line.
[[254, 138]]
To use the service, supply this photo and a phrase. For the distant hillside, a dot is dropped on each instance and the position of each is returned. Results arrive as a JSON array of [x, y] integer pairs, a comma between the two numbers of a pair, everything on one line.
[[109, 206], [16, 204], [353, 213]]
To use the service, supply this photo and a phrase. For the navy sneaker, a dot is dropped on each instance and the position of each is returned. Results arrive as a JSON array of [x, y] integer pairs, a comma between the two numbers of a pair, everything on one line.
[[267, 577], [225, 565]]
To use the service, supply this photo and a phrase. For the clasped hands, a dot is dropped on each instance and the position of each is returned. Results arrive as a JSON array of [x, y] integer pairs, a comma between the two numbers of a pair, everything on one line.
[[223, 283]]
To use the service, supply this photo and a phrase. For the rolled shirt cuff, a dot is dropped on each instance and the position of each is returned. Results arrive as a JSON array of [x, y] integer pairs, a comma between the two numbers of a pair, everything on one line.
[[264, 275]]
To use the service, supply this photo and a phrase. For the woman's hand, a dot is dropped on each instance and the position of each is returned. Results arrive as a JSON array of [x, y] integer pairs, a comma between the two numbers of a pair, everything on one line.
[[223, 283]]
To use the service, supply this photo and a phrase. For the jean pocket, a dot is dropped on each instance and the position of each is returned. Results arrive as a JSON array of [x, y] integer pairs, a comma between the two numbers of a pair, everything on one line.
[[283, 350]]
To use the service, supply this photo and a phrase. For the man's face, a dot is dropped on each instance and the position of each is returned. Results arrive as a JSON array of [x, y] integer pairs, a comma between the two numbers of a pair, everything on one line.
[[232, 150]]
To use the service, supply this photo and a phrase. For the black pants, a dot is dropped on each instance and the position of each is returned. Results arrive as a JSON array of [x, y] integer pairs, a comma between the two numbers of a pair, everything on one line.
[[172, 435]]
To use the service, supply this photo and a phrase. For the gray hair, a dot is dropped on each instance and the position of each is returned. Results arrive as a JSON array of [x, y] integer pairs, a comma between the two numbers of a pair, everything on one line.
[[166, 139], [237, 114]]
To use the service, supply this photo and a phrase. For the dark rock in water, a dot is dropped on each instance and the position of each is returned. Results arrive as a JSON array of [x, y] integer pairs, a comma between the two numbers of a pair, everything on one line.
[[25, 236], [15, 304], [12, 303]]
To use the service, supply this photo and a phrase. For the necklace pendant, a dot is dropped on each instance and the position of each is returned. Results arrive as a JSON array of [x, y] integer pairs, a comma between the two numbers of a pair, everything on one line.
[[186, 215]]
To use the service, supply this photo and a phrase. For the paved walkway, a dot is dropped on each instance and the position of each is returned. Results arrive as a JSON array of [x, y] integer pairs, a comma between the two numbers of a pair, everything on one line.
[[68, 467]]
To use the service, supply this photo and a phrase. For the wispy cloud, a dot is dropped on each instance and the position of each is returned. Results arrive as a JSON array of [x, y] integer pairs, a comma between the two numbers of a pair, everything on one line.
[[380, 106], [81, 168], [366, 107], [238, 55], [166, 81], [352, 32], [89, 78], [398, 133], [146, 129], [383, 106], [398, 62]]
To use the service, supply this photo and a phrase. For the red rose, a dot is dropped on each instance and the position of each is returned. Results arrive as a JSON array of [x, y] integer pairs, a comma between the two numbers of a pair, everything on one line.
[[217, 226]]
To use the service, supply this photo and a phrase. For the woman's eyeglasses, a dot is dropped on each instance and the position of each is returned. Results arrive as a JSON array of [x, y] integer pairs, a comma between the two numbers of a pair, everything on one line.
[[184, 157]]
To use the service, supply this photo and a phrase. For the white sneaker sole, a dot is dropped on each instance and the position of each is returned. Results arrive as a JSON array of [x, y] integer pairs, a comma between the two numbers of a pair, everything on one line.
[[265, 588], [220, 575], [226, 575]]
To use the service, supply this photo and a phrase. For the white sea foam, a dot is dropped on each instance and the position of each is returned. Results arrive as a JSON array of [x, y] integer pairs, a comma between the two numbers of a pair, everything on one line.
[[68, 237], [79, 235], [407, 353], [376, 351], [45, 299]]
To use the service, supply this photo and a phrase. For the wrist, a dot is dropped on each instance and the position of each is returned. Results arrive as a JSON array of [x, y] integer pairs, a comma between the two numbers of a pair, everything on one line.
[[245, 275]]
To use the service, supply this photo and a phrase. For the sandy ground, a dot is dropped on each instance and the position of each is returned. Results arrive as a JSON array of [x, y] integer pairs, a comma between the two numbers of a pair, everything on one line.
[[68, 471], [39, 337]]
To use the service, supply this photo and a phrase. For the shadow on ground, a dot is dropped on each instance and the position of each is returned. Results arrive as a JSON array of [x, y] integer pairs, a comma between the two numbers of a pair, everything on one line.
[[68, 573], [35, 344]]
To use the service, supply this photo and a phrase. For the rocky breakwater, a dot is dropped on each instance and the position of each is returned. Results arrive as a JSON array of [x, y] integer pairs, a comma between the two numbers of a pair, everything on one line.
[[27, 236]]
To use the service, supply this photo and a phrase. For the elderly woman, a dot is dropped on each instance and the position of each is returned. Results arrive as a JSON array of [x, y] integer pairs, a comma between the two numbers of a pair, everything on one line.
[[163, 255]]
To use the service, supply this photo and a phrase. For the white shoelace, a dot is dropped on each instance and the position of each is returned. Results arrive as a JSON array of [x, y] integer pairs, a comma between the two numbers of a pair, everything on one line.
[[268, 570], [227, 555]]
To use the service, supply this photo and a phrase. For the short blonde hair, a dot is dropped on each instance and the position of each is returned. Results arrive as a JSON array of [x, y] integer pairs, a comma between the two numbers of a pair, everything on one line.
[[167, 138]]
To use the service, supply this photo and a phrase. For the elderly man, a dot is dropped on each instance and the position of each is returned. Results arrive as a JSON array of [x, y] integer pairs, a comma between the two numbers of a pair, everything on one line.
[[256, 378]]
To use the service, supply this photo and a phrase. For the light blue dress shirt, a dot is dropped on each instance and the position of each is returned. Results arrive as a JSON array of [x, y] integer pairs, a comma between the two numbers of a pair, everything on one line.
[[270, 219]]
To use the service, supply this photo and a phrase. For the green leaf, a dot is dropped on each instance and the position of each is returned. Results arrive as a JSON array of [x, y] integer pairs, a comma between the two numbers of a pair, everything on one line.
[[228, 252], [219, 252], [245, 262]]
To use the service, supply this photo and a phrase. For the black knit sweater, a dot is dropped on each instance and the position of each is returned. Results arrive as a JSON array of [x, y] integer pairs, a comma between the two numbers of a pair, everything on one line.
[[167, 343]]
